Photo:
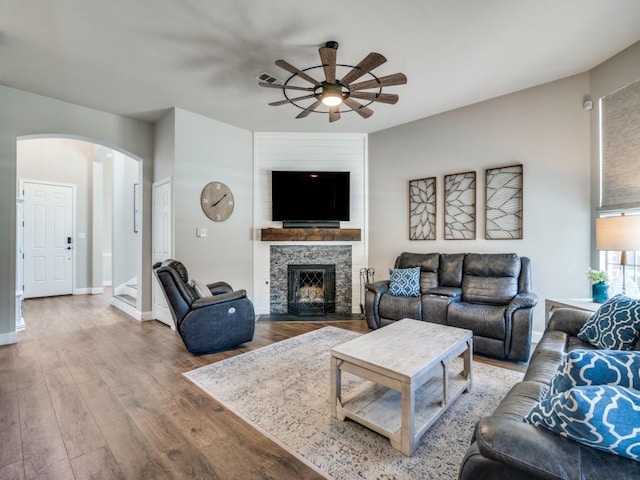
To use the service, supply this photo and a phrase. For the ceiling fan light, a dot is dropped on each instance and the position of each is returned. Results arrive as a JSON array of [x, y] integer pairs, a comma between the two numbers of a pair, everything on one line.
[[331, 101], [332, 95]]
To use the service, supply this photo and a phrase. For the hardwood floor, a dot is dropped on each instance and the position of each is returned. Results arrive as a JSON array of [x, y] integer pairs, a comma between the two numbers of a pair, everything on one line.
[[89, 393]]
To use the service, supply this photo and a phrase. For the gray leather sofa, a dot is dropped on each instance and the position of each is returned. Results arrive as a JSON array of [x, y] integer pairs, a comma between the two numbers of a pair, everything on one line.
[[504, 446], [489, 294]]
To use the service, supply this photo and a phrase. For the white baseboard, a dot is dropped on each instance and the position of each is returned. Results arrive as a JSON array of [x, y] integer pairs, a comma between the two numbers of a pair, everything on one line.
[[107, 283], [126, 308], [88, 291], [8, 338], [131, 311]]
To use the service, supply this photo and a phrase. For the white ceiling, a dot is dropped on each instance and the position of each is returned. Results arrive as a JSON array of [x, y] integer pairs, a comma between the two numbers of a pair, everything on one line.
[[140, 57]]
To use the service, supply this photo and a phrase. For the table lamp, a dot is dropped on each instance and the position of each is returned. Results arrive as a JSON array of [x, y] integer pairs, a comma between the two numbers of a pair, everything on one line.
[[620, 233]]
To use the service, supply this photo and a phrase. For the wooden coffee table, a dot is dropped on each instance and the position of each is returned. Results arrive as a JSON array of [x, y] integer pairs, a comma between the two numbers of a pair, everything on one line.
[[410, 379]]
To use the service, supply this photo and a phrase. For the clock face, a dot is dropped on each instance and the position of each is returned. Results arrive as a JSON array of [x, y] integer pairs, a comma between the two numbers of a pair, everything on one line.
[[216, 201]]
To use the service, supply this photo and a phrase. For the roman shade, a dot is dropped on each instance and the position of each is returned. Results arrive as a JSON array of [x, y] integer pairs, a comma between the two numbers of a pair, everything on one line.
[[620, 147]]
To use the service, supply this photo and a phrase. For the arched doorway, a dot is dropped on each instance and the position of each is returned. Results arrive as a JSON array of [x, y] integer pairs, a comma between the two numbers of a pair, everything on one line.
[[106, 238]]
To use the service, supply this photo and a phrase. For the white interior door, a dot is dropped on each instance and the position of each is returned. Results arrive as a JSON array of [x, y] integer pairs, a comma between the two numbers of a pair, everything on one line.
[[162, 244], [48, 237]]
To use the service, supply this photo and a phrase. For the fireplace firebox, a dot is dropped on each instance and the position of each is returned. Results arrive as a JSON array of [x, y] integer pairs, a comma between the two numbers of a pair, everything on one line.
[[311, 289]]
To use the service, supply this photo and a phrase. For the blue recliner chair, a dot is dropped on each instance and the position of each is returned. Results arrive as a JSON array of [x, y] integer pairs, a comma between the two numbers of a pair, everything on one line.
[[209, 317]]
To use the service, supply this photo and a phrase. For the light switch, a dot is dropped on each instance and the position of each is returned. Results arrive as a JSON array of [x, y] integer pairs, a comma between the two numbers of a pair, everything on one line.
[[201, 232]]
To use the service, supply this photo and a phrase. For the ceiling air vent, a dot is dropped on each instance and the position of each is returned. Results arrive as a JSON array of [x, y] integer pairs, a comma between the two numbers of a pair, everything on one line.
[[268, 78]]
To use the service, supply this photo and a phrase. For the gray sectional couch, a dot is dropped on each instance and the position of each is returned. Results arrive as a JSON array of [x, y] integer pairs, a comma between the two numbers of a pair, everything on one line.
[[489, 294], [505, 447]]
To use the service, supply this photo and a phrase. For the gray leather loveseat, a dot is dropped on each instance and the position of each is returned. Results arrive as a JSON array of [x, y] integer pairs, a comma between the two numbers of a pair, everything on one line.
[[505, 447], [489, 294]]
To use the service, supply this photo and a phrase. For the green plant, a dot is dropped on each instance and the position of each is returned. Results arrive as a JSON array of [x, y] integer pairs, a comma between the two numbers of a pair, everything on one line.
[[597, 276]]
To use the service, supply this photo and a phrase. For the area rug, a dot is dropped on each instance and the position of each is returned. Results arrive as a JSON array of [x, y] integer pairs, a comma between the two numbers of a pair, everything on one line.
[[283, 390]]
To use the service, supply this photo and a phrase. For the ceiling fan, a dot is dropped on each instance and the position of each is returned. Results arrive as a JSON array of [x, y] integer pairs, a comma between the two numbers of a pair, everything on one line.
[[335, 96]]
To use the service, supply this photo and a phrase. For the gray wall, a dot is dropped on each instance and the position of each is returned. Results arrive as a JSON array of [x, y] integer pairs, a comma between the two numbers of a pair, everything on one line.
[[544, 128], [165, 146], [196, 150], [28, 114], [65, 161]]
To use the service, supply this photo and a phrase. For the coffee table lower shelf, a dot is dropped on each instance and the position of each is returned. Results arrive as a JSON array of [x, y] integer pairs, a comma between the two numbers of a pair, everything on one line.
[[379, 408]]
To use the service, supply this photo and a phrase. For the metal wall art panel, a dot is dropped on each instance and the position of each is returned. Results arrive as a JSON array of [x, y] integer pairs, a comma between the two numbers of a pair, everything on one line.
[[460, 206], [503, 213], [422, 209]]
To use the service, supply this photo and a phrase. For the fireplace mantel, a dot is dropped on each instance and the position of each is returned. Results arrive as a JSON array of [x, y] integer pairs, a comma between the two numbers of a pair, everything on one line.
[[310, 234]]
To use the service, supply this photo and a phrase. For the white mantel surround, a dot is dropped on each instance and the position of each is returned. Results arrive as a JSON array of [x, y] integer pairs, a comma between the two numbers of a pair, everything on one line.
[[307, 151]]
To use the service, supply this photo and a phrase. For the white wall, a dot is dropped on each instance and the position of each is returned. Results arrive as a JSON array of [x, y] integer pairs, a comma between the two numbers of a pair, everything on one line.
[[126, 242], [106, 246], [544, 128], [28, 114], [305, 151]]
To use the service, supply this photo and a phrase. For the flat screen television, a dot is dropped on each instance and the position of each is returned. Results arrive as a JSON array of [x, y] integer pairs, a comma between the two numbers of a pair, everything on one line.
[[309, 199]]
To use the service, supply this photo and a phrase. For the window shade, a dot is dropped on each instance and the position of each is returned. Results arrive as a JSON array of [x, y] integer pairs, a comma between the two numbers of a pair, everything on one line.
[[620, 137]]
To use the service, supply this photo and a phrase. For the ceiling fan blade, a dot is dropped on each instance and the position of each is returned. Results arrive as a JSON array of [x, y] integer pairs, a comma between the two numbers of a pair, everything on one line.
[[309, 109], [290, 87], [369, 62], [291, 100], [357, 107], [389, 80], [390, 98], [334, 114], [328, 59], [296, 71]]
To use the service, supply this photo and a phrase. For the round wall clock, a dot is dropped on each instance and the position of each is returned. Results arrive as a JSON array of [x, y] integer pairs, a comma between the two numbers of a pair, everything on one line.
[[216, 201]]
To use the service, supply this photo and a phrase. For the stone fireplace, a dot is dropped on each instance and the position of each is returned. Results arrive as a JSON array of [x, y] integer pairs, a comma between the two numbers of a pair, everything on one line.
[[330, 264], [311, 289]]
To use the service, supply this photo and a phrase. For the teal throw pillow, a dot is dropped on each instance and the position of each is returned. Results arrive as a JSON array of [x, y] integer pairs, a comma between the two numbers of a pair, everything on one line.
[[597, 367], [615, 326], [604, 417], [404, 282]]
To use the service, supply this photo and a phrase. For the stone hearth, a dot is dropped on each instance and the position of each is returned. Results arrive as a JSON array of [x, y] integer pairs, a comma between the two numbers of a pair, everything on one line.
[[284, 255]]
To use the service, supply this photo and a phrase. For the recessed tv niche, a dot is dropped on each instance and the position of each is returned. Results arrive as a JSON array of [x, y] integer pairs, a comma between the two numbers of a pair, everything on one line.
[[310, 199]]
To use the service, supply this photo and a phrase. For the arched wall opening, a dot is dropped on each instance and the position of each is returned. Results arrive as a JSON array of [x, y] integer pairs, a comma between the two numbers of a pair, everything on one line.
[[107, 232], [25, 114]]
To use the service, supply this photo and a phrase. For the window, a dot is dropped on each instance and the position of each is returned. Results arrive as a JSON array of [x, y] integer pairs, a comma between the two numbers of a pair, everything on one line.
[[610, 262], [620, 176]]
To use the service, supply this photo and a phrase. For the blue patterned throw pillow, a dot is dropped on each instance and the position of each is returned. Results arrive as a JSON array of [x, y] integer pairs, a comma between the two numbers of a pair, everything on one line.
[[615, 326], [597, 367], [600, 416], [404, 282]]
